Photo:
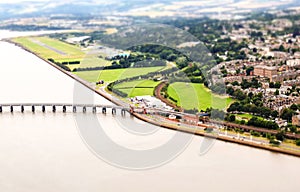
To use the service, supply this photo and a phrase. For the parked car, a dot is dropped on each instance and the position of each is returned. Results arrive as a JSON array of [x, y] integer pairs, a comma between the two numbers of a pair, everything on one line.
[[101, 82]]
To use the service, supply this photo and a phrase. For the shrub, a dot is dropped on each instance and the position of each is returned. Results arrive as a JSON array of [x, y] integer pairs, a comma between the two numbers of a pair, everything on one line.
[[275, 142]]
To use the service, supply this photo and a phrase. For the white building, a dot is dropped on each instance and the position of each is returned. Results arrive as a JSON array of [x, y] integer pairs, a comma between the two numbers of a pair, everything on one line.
[[293, 62], [152, 102]]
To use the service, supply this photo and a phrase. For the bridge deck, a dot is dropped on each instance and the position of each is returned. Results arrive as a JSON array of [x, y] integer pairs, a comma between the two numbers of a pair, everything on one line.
[[61, 105]]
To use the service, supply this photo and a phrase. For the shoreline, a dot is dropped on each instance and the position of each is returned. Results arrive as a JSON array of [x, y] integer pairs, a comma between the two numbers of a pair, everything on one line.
[[140, 117]]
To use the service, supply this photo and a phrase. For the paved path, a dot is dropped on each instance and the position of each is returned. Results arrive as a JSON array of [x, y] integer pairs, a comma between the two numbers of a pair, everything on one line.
[[48, 47]]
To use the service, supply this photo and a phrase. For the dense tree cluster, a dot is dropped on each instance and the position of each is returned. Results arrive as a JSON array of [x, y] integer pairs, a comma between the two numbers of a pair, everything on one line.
[[124, 63], [218, 88], [253, 109], [254, 83], [216, 113], [250, 104], [288, 113], [237, 94], [230, 118], [71, 63], [149, 63], [110, 87], [254, 121], [64, 67]]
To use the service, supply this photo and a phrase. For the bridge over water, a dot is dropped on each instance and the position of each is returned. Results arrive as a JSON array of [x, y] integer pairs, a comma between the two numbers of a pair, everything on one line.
[[62, 107], [94, 108]]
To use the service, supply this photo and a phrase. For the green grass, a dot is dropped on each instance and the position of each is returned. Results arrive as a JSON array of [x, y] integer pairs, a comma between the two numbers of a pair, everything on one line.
[[90, 62], [93, 61], [246, 116], [138, 83], [191, 95], [115, 74], [137, 88], [138, 92], [62, 46], [72, 52]]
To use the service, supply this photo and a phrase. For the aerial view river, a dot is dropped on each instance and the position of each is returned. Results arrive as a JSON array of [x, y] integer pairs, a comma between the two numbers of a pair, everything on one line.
[[46, 152]]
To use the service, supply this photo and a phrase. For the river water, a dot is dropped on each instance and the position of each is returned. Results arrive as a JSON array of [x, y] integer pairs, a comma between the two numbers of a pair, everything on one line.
[[46, 152]]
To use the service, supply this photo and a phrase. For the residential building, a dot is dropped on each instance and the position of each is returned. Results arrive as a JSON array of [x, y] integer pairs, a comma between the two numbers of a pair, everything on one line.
[[296, 120], [265, 71], [293, 63]]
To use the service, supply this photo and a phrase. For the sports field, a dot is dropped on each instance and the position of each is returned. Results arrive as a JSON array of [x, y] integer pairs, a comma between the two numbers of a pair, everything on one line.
[[137, 88], [115, 74], [61, 52], [191, 95]]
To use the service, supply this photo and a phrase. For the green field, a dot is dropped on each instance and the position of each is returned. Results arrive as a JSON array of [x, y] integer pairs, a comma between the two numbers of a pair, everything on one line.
[[137, 88], [61, 52], [115, 74], [51, 48], [191, 95], [246, 116]]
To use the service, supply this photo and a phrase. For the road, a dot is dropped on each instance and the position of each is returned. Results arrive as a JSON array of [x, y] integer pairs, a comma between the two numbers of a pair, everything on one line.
[[220, 131]]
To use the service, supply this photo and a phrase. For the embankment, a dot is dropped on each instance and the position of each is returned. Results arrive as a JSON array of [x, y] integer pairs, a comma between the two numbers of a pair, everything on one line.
[[172, 127]]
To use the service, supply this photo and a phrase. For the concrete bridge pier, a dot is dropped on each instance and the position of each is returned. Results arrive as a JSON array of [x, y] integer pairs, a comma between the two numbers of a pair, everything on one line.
[[114, 111], [94, 110], [32, 108], [11, 109], [64, 109], [53, 108], [74, 109], [0, 109], [22, 109], [43, 109], [84, 109], [104, 110], [123, 112]]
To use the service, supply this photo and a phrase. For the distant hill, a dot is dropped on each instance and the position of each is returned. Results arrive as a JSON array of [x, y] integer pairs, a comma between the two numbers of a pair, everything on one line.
[[136, 7]]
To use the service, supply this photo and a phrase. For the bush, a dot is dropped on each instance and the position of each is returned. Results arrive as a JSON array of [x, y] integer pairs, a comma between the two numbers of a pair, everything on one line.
[[51, 60], [208, 130], [254, 121], [63, 67], [174, 100], [74, 62], [119, 93], [298, 142], [191, 111], [275, 142], [280, 136], [255, 134], [232, 118]]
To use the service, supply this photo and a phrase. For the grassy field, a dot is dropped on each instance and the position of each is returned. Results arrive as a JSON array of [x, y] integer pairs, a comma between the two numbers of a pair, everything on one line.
[[61, 52], [246, 116], [51, 48], [137, 88], [115, 74], [190, 96]]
